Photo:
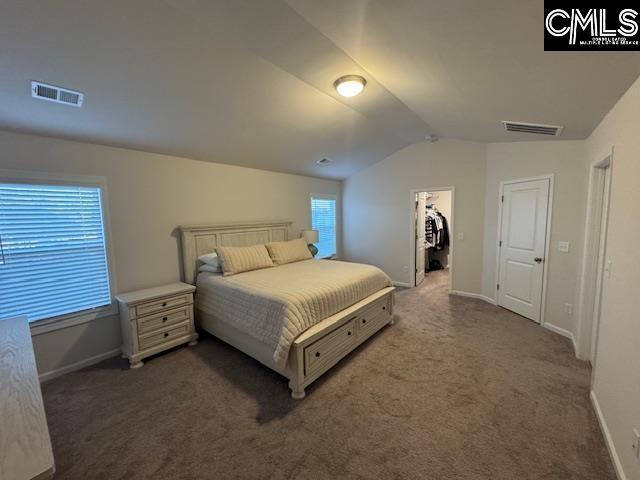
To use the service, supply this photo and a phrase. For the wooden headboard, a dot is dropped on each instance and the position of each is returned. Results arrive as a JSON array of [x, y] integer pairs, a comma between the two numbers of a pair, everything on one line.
[[197, 240]]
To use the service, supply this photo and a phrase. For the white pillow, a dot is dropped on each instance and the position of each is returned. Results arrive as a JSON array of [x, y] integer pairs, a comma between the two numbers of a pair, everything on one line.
[[210, 269], [212, 260]]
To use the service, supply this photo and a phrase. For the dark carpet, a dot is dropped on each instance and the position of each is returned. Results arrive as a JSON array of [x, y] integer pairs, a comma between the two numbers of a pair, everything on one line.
[[456, 389]]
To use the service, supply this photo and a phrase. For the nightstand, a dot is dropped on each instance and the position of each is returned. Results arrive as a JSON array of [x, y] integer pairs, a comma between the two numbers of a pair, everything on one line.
[[156, 319]]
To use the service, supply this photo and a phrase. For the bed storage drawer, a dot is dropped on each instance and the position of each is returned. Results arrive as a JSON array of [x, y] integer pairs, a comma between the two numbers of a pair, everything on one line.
[[149, 340], [329, 349], [163, 319], [154, 306], [374, 317]]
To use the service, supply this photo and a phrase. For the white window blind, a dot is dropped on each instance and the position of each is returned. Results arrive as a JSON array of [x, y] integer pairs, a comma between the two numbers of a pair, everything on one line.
[[53, 257], [323, 219]]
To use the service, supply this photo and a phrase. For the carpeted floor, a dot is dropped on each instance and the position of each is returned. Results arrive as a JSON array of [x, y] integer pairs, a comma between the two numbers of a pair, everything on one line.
[[456, 389]]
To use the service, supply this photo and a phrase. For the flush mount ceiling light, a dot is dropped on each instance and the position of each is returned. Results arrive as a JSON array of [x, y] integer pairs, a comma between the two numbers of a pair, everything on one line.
[[350, 85]]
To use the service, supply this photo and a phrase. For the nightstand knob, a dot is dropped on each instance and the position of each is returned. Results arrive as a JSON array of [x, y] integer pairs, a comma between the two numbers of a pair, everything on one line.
[[364, 321], [384, 308], [348, 333], [164, 319], [164, 304], [166, 334], [317, 354]]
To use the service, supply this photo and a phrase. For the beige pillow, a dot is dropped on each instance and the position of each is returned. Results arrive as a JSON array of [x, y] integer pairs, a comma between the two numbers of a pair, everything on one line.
[[287, 252], [243, 259]]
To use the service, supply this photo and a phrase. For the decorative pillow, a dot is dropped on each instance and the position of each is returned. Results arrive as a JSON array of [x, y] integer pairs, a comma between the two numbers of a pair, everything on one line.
[[287, 252], [211, 260], [243, 259]]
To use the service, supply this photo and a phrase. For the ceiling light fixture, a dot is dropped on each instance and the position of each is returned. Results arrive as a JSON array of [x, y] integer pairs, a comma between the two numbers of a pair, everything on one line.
[[350, 85]]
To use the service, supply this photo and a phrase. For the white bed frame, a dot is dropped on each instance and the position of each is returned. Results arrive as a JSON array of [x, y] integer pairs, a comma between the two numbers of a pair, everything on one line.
[[314, 351]]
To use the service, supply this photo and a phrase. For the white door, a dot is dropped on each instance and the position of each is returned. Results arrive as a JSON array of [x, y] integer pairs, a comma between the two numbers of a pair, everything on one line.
[[421, 204], [522, 246]]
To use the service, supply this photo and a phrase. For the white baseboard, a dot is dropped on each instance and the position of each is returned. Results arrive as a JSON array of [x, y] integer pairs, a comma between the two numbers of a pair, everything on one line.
[[617, 464], [401, 284], [78, 365], [564, 333], [477, 296]]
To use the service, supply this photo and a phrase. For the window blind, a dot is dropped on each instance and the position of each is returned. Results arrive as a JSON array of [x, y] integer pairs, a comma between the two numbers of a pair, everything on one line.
[[52, 250], [323, 219]]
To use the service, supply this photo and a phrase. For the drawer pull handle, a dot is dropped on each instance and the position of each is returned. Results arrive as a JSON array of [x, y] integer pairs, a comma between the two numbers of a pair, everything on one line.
[[384, 308], [317, 354], [349, 333], [164, 304], [364, 321], [166, 334], [164, 319]]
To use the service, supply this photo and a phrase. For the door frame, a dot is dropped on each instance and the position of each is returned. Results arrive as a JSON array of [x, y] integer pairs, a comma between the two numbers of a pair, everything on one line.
[[545, 269], [412, 231], [590, 283]]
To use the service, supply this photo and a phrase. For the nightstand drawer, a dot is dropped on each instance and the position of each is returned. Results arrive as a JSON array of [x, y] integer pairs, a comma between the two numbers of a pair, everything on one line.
[[163, 319], [152, 339], [162, 304]]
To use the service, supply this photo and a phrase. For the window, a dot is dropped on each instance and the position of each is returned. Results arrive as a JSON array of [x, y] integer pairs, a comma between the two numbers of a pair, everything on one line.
[[323, 219], [53, 258]]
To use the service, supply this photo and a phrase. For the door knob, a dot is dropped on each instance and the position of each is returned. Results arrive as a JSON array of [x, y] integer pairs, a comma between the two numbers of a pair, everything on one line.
[[537, 259]]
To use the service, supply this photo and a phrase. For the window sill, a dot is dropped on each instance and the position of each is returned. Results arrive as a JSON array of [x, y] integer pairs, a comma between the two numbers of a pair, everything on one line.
[[65, 321]]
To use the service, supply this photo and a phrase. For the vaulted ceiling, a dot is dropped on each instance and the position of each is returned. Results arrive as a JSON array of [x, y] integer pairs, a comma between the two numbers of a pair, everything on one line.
[[249, 82]]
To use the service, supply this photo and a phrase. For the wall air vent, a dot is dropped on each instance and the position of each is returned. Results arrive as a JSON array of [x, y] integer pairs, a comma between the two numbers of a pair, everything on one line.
[[535, 128], [56, 94], [324, 161]]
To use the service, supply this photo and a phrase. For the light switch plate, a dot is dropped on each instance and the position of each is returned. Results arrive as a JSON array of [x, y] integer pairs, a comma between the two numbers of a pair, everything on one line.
[[460, 236], [563, 247]]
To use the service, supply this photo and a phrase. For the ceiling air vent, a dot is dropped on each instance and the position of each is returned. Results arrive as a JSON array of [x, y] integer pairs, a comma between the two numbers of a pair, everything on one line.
[[56, 94], [324, 161], [553, 130]]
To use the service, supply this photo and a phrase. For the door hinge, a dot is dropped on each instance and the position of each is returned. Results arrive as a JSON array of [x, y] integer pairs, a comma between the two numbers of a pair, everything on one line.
[[502, 199], [498, 287], [500, 243]]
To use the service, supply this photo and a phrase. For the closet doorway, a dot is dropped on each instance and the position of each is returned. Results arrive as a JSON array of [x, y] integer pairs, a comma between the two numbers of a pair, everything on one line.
[[595, 267], [431, 235]]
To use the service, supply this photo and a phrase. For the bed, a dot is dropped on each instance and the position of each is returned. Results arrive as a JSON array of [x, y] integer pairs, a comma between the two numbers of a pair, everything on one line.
[[298, 319]]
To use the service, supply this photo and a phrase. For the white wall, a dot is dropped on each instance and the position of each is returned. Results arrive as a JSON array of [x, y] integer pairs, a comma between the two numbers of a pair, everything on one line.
[[564, 159], [377, 208], [149, 196], [617, 370]]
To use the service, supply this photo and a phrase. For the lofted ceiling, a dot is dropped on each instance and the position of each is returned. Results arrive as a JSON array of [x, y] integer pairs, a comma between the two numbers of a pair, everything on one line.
[[249, 82]]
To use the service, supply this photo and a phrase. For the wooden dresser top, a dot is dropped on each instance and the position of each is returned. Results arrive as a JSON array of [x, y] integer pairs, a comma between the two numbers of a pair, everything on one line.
[[25, 446]]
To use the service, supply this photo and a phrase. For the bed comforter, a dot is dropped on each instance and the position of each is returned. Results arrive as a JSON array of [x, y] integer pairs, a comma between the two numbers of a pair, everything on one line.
[[275, 305]]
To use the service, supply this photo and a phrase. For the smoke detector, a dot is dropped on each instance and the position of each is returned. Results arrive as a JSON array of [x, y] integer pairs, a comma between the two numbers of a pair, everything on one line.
[[51, 93], [535, 128], [324, 161]]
